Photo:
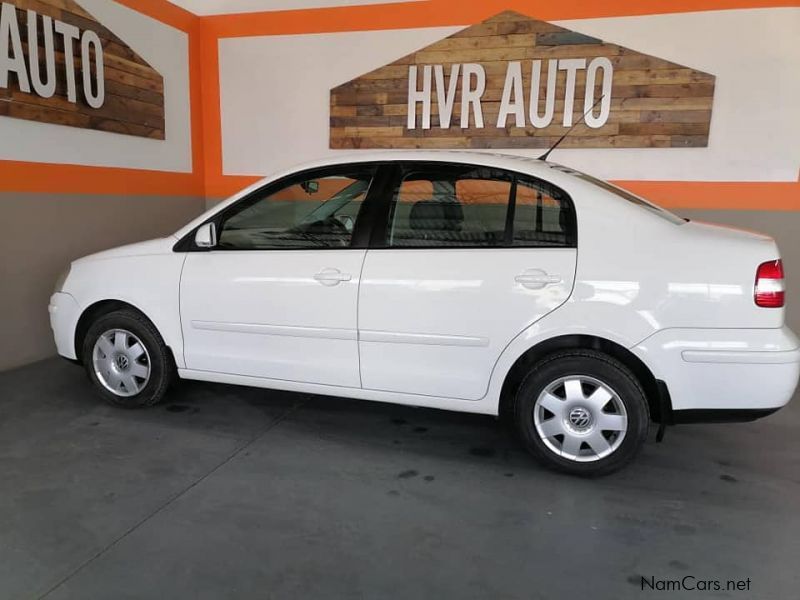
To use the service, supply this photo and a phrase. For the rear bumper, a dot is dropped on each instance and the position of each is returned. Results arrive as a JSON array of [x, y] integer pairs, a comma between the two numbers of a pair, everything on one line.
[[64, 314], [723, 375], [719, 415]]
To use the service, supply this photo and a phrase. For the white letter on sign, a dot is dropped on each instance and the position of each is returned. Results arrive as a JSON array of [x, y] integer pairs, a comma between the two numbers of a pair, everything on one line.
[[69, 33], [446, 101], [550, 93], [605, 104], [90, 38], [513, 84], [472, 96], [46, 89], [415, 96], [10, 41], [571, 66]]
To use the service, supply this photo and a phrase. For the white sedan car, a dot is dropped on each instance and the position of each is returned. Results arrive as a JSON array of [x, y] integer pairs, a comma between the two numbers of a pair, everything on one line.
[[463, 281]]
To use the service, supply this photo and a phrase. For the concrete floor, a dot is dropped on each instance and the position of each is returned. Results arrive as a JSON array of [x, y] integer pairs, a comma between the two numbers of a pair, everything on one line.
[[227, 492]]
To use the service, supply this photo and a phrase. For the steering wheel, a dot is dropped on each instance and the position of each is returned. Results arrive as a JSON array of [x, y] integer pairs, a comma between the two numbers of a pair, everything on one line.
[[329, 229], [338, 229], [345, 221], [335, 226]]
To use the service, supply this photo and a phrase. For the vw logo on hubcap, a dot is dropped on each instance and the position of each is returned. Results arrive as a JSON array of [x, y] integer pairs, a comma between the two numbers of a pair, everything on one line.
[[579, 417], [122, 362]]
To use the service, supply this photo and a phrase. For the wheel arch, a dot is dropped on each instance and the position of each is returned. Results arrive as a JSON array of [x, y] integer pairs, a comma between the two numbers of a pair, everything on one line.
[[103, 307], [655, 390]]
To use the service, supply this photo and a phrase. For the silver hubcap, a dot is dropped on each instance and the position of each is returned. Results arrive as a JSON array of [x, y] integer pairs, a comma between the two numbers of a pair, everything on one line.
[[580, 418], [121, 362]]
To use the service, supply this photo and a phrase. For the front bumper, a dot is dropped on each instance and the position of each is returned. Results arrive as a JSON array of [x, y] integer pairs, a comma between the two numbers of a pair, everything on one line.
[[64, 315], [724, 374]]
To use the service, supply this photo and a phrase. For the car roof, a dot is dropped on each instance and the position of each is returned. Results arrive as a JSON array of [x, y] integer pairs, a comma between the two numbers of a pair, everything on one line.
[[493, 159]]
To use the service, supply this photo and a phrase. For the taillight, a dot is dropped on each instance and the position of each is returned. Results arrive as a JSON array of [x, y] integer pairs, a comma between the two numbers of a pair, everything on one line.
[[770, 285]]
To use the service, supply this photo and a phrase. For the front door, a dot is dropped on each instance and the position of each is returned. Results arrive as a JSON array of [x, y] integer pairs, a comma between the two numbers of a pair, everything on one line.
[[277, 297], [470, 257]]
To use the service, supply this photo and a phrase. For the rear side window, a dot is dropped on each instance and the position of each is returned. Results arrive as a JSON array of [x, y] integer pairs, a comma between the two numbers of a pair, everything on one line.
[[477, 207], [450, 206], [542, 215]]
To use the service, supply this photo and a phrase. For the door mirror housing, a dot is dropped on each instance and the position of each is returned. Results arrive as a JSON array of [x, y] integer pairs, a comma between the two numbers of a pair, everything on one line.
[[206, 236]]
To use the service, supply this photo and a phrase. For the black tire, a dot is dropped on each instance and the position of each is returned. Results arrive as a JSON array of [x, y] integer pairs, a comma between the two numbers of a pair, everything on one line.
[[590, 365], [159, 358]]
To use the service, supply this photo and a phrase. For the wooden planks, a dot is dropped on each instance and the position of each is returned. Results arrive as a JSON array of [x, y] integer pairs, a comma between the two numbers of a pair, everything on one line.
[[134, 91], [654, 102]]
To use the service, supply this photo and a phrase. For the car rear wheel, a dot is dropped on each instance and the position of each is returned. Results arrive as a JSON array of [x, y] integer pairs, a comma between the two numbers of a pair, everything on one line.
[[127, 360], [582, 412]]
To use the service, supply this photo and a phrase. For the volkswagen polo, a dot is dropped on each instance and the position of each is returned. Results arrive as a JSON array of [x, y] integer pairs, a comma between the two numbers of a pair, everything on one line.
[[463, 281]]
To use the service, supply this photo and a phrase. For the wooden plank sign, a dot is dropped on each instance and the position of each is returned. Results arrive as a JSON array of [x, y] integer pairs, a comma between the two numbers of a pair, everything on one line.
[[515, 82], [59, 65]]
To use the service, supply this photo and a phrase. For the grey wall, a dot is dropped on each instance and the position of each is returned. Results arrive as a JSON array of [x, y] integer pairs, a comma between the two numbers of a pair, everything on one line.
[[42, 233]]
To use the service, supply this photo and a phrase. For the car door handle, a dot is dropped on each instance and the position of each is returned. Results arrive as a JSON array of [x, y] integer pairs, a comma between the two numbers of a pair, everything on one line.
[[332, 277], [536, 279]]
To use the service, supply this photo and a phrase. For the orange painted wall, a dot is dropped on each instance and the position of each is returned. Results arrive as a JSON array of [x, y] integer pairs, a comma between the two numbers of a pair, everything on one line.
[[208, 179]]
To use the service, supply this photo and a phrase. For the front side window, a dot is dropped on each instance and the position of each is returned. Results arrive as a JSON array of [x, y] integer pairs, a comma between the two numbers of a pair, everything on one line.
[[449, 206], [311, 211]]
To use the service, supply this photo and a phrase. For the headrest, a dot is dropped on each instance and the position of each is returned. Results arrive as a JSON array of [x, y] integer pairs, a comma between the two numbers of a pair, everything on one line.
[[431, 215]]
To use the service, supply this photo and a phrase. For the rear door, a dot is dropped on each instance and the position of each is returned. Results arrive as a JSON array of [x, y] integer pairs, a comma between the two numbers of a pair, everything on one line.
[[464, 259]]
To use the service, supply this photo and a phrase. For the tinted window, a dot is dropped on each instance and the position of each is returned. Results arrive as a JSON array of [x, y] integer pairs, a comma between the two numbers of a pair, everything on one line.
[[314, 211], [542, 215], [449, 206]]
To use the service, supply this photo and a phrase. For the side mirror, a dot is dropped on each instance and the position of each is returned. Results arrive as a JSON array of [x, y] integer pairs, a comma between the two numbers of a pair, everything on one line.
[[206, 236]]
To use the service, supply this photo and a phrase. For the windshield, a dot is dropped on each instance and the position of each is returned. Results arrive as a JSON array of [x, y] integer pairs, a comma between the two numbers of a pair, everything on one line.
[[625, 195], [342, 200]]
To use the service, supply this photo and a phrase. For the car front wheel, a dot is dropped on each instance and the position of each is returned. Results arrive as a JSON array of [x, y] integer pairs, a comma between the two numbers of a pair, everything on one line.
[[582, 412], [127, 360]]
